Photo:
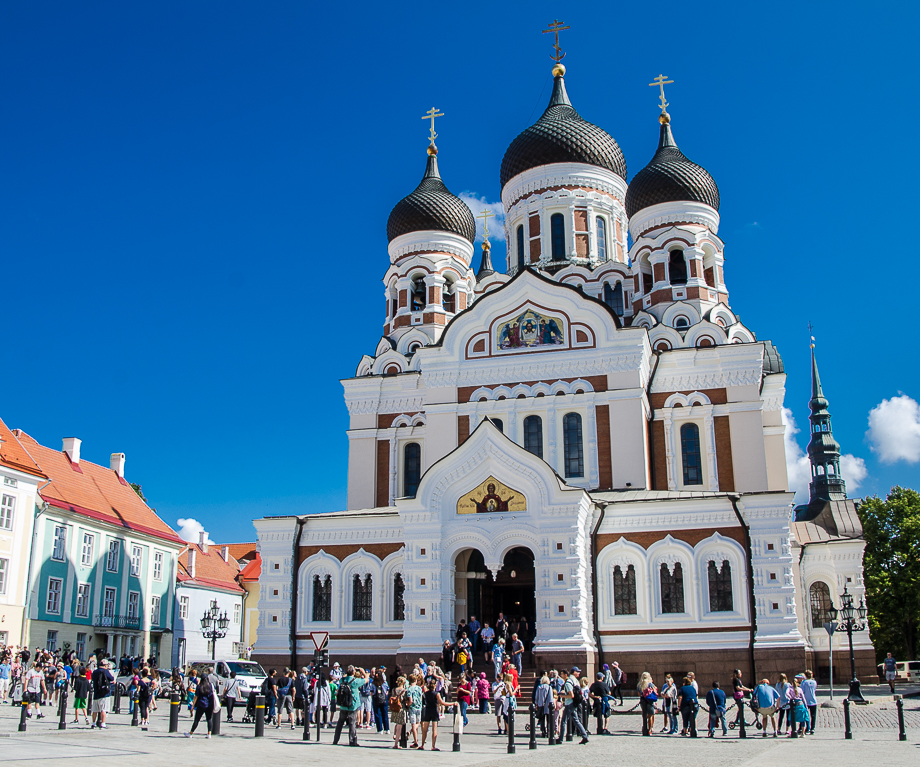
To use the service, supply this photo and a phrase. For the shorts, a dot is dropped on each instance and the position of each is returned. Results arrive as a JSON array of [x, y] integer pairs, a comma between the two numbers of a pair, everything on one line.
[[32, 697], [366, 703], [768, 711], [890, 676], [102, 705], [413, 716], [287, 704], [79, 703]]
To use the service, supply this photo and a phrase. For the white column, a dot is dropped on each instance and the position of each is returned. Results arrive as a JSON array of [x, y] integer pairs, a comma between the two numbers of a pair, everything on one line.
[[712, 471], [592, 462], [669, 448]]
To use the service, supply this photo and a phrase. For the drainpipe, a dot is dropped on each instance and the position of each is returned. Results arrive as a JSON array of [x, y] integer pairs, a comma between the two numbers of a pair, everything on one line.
[[750, 568], [301, 521], [597, 635], [26, 620]]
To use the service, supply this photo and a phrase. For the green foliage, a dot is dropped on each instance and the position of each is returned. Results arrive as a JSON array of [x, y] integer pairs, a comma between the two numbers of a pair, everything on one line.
[[137, 489], [891, 567]]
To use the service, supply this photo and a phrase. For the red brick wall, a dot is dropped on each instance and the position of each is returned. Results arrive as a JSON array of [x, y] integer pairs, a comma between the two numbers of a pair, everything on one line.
[[463, 428], [659, 457], [383, 472], [724, 453], [604, 460]]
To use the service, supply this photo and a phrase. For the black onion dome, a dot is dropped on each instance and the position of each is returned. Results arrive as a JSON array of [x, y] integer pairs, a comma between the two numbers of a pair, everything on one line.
[[562, 135], [670, 177], [431, 207]]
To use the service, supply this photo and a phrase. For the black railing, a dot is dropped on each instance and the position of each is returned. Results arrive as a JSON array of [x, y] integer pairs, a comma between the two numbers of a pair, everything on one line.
[[116, 622]]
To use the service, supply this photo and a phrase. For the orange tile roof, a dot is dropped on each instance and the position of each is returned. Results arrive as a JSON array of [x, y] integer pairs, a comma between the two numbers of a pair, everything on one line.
[[14, 455], [240, 551], [252, 571], [210, 569], [93, 491]]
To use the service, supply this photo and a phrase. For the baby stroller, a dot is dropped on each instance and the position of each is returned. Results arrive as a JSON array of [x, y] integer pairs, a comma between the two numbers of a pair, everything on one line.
[[754, 706], [250, 716]]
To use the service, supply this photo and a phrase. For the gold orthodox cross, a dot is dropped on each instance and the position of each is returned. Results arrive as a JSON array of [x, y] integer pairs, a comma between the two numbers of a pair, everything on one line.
[[430, 115], [660, 82], [556, 27], [485, 222]]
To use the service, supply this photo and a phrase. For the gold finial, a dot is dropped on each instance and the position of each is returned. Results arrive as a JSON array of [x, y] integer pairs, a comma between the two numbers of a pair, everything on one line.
[[664, 118], [812, 337], [430, 115], [556, 27], [485, 223]]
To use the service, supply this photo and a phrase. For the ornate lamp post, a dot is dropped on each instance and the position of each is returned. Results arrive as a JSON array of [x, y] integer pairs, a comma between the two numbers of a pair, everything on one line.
[[214, 626], [850, 618]]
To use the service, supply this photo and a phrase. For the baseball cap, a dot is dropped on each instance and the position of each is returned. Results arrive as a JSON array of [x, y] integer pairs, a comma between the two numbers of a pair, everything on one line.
[[575, 670]]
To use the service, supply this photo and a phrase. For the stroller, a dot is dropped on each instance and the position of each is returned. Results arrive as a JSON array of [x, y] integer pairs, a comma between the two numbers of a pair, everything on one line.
[[754, 706], [250, 716]]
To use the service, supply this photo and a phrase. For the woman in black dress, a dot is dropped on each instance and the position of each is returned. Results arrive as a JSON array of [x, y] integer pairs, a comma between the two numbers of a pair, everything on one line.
[[431, 699]]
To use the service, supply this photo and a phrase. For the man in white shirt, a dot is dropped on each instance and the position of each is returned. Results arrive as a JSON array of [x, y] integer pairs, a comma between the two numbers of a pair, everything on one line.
[[33, 685], [488, 639]]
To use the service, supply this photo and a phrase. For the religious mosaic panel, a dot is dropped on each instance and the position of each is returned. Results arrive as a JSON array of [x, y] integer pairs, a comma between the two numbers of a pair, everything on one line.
[[491, 496], [530, 329]]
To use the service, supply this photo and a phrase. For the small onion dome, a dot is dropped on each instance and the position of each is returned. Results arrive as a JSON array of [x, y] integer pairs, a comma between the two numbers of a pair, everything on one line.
[[670, 177], [562, 135], [431, 207]]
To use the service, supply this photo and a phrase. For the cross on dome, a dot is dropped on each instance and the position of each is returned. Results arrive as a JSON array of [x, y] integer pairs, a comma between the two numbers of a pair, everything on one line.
[[660, 82], [556, 27], [431, 114]]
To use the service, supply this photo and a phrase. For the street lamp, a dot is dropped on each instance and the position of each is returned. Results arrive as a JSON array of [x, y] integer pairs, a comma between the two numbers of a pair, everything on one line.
[[214, 626], [851, 618]]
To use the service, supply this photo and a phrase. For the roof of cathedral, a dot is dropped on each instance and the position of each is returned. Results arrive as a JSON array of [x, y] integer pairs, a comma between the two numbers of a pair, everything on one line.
[[562, 135], [670, 177], [431, 207], [772, 362], [823, 520]]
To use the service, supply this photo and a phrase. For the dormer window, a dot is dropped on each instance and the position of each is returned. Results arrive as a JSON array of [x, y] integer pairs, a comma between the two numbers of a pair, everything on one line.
[[681, 323]]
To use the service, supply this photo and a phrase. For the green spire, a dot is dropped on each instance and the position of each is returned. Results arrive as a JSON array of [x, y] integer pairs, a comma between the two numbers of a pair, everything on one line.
[[823, 450]]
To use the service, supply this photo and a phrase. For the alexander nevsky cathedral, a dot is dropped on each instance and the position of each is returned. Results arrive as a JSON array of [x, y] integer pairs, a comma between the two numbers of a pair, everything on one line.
[[591, 443]]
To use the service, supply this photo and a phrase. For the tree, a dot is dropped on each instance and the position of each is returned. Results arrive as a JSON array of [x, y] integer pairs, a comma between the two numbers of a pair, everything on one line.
[[137, 489], [891, 567]]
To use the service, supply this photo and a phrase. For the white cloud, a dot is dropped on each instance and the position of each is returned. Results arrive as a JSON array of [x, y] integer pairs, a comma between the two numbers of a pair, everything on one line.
[[798, 468], [496, 222], [894, 430], [189, 530]]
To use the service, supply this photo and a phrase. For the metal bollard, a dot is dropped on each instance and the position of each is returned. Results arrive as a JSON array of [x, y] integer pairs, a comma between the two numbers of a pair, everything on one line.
[[901, 734], [458, 728], [116, 703], [742, 731], [533, 728], [600, 716], [511, 729], [403, 736], [551, 726], [62, 721], [847, 730], [174, 703], [215, 721], [260, 716], [135, 713], [569, 730], [23, 715], [319, 726], [306, 721]]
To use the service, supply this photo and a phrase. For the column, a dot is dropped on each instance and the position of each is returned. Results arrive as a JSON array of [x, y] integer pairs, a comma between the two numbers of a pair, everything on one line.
[[669, 448], [712, 476]]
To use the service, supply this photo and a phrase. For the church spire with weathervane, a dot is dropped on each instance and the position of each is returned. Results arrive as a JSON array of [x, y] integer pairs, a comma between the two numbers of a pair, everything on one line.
[[823, 450]]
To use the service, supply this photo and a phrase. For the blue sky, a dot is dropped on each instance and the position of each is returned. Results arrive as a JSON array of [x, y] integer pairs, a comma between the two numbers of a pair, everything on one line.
[[193, 205]]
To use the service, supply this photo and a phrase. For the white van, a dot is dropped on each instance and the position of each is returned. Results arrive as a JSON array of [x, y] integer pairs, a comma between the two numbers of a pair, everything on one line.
[[249, 673]]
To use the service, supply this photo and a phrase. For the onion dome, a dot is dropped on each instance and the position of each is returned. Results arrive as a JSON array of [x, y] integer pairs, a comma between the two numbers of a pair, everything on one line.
[[670, 177], [431, 207], [562, 135]]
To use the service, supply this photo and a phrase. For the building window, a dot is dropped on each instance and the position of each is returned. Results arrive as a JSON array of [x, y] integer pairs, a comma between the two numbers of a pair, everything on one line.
[[601, 239], [690, 454], [108, 603], [820, 597], [448, 299], [361, 598], [520, 247], [4, 565], [133, 601], [53, 602], [83, 600], [237, 614], [412, 467], [86, 557], [672, 589], [677, 268], [81, 645], [399, 601], [419, 299], [572, 441], [51, 643], [183, 608], [154, 611], [60, 542], [158, 565], [533, 435], [557, 236], [499, 424], [7, 506], [720, 587], [624, 591], [10, 482], [322, 598], [136, 557], [111, 561], [613, 297]]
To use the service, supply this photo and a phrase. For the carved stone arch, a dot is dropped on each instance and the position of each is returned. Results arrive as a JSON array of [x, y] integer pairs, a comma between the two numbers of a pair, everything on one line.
[[364, 366], [664, 334], [580, 383], [502, 391], [483, 392], [680, 308], [541, 388], [739, 334], [705, 329]]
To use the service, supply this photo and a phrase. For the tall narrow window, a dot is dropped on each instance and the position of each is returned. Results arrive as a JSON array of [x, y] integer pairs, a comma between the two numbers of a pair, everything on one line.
[[672, 589], [499, 424], [690, 454], [81, 644], [133, 603], [557, 236], [83, 600], [111, 562], [86, 557], [53, 602], [158, 566], [821, 604], [720, 587], [7, 506], [624, 590], [448, 300], [520, 247], [418, 299], [412, 468], [60, 541], [613, 297], [574, 454], [322, 598], [362, 593], [677, 268], [601, 239], [108, 605], [4, 565], [137, 555], [183, 608], [399, 600], [533, 435], [154, 611], [647, 283]]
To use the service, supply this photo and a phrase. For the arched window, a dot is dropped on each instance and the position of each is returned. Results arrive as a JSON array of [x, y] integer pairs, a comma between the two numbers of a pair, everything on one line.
[[557, 236], [418, 298], [624, 591], [412, 468], [499, 424], [572, 441], [690, 454], [362, 598], [672, 589], [322, 598], [613, 297], [448, 299], [820, 597], [601, 238], [681, 323], [720, 587], [520, 247], [677, 268], [399, 602], [533, 435]]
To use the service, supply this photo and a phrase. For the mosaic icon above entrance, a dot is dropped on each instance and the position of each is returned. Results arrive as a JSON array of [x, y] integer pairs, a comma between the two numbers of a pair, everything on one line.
[[491, 496]]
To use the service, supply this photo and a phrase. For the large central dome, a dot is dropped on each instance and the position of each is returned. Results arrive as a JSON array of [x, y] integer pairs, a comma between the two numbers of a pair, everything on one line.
[[562, 135]]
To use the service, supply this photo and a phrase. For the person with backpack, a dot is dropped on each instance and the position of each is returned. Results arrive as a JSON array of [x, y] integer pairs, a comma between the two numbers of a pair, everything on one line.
[[270, 690], [348, 700], [231, 695], [80, 685], [688, 702], [414, 710], [321, 701], [399, 703], [715, 699], [102, 679], [598, 692], [574, 700], [380, 699], [203, 705], [301, 690], [366, 709], [285, 698], [144, 687]]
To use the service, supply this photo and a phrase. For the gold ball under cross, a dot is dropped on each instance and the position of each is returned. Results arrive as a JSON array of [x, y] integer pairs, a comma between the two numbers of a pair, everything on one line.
[[432, 150], [558, 70]]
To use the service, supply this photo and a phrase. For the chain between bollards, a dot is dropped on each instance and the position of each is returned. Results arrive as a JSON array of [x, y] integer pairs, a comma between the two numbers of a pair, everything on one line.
[[62, 710], [260, 716], [900, 704], [174, 704], [847, 730]]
